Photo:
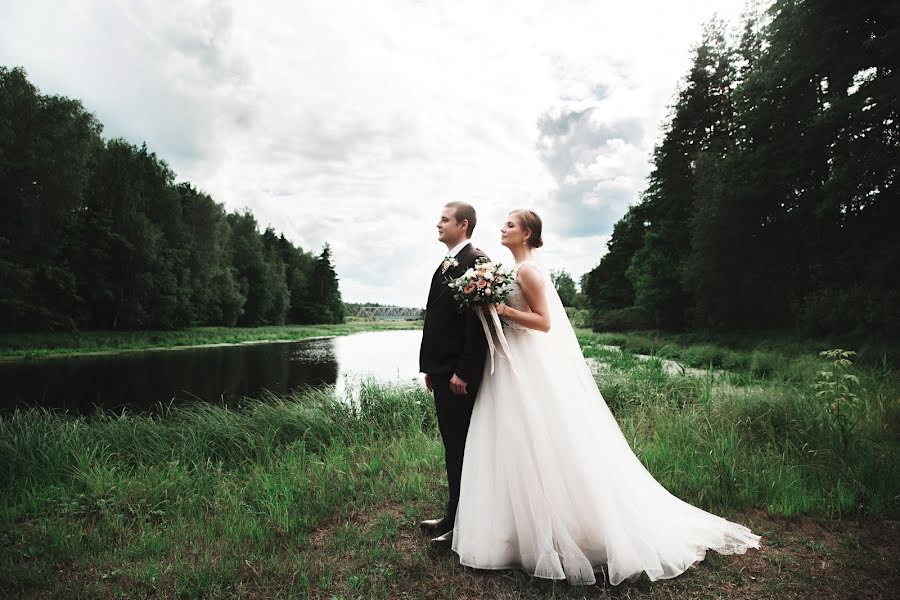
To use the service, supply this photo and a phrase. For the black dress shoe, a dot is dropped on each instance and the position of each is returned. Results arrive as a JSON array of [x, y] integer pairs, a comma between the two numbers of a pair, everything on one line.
[[436, 526], [443, 542]]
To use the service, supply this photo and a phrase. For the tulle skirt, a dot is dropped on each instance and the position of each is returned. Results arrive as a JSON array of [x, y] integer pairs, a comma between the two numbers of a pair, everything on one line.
[[550, 484]]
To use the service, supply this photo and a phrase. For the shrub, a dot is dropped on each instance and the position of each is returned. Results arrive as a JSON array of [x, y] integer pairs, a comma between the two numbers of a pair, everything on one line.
[[620, 319]]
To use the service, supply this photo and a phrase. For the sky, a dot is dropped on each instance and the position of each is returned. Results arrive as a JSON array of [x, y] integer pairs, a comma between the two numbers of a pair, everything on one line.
[[353, 123]]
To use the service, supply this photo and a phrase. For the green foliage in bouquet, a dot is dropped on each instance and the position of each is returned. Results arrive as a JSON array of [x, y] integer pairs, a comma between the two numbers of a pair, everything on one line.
[[485, 283]]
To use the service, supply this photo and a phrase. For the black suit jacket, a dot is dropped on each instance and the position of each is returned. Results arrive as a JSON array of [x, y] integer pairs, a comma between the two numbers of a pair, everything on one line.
[[452, 339]]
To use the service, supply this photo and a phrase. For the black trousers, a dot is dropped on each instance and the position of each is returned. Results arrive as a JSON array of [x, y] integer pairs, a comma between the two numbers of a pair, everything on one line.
[[453, 414]]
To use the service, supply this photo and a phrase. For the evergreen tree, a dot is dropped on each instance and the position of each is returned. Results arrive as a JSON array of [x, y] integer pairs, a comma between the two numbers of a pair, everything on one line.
[[248, 258], [649, 253], [702, 122], [565, 287], [606, 286], [276, 278], [298, 275], [325, 305]]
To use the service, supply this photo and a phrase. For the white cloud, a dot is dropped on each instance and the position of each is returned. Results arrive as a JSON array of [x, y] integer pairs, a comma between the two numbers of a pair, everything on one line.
[[353, 122]]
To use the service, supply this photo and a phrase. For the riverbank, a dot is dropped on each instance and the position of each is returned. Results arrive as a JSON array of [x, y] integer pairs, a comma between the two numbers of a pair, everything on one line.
[[52, 344], [305, 496], [757, 351]]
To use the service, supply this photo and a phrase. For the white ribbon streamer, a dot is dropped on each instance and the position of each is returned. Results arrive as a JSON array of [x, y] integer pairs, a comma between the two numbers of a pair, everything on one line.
[[498, 327]]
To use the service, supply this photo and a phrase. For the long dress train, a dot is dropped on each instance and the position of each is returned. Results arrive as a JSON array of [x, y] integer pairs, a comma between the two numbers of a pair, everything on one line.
[[550, 484]]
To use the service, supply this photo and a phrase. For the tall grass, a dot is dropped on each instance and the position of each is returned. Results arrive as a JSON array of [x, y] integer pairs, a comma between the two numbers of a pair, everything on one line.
[[41, 449], [180, 501], [760, 437], [200, 487]]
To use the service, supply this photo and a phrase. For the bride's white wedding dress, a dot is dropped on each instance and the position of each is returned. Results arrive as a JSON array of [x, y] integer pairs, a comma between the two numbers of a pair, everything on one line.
[[550, 484]]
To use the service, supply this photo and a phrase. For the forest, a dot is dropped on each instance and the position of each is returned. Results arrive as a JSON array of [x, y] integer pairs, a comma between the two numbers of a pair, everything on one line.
[[97, 234], [772, 202]]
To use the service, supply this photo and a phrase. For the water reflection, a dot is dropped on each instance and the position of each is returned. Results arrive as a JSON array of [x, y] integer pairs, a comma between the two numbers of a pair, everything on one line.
[[220, 374]]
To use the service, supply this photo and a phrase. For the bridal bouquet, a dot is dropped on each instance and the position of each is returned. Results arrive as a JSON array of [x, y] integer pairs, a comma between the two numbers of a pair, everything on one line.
[[485, 283]]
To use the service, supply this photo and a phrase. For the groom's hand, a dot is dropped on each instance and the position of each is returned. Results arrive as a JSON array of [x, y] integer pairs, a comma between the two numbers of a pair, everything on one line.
[[428, 385], [457, 385]]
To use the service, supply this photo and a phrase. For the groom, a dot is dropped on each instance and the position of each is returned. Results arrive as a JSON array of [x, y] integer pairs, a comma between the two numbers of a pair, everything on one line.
[[452, 355]]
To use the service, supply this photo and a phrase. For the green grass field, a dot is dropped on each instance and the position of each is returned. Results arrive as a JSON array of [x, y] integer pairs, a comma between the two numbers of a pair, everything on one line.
[[25, 345], [306, 496]]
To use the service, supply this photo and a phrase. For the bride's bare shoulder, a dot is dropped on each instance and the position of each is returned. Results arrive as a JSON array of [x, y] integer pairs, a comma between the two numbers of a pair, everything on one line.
[[529, 275]]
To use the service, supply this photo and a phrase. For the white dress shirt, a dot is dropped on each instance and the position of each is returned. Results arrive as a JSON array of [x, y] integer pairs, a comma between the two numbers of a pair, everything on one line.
[[455, 250]]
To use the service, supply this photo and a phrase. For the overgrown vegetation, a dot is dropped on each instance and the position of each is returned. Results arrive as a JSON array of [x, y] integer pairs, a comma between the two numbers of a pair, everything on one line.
[[308, 495]]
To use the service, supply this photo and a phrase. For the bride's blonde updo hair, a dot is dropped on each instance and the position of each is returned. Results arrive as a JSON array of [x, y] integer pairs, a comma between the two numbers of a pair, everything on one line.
[[532, 222]]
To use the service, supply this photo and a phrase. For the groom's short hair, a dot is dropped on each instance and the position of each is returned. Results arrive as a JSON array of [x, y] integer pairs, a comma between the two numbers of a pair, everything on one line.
[[463, 211]]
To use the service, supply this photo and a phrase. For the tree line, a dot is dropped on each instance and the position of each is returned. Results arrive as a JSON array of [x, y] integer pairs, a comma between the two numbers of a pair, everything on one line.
[[773, 197], [97, 234]]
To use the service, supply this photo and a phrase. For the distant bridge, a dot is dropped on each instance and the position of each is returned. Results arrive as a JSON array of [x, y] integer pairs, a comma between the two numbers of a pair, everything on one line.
[[394, 313]]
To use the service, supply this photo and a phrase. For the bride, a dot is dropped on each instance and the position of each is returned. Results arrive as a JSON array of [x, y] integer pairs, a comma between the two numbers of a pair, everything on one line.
[[549, 483]]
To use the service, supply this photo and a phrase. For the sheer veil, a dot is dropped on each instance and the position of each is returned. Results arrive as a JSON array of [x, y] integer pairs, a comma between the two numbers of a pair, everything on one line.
[[561, 338]]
